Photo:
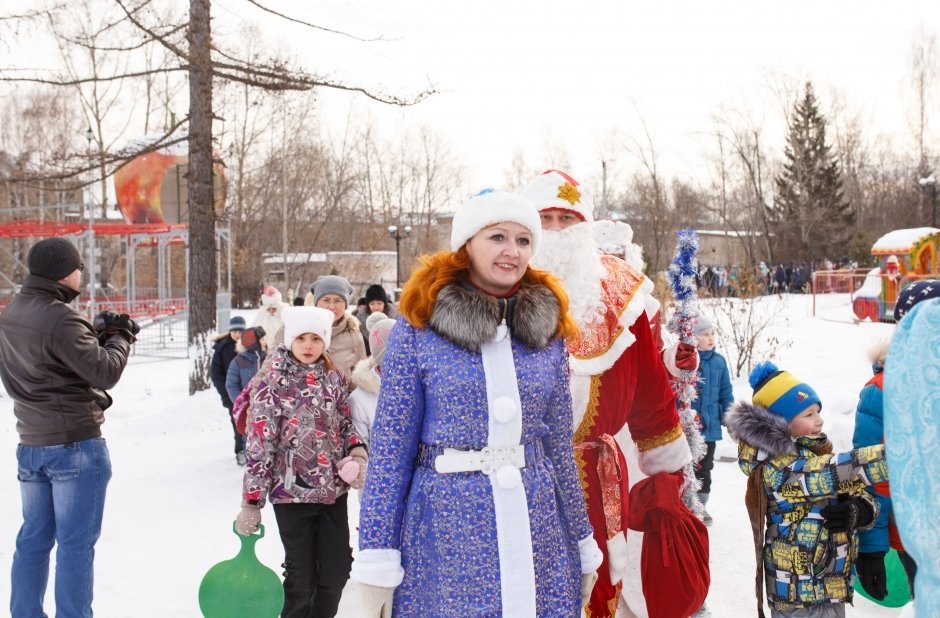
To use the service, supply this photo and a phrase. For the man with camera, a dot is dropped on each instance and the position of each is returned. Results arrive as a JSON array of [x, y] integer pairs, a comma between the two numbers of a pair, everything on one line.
[[56, 366]]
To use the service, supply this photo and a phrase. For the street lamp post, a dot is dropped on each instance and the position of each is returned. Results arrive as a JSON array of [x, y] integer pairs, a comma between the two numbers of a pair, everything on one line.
[[89, 135], [398, 234], [929, 184]]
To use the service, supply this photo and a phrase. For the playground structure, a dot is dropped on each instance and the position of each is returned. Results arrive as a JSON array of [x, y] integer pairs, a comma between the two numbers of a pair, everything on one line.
[[870, 294], [155, 243]]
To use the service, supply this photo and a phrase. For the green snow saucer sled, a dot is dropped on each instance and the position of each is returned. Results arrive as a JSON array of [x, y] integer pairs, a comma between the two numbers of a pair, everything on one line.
[[242, 587], [896, 581]]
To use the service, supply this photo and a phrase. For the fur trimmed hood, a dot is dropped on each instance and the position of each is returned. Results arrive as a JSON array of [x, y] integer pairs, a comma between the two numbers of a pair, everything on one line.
[[363, 376], [759, 427], [469, 318]]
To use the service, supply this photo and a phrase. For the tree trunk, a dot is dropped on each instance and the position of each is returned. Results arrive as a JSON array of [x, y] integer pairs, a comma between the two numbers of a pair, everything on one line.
[[202, 282]]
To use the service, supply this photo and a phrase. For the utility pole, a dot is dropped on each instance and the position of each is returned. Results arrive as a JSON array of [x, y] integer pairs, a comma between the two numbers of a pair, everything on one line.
[[92, 278]]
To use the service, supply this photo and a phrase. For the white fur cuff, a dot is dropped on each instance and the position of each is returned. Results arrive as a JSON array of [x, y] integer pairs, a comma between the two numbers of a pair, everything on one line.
[[378, 567], [617, 556], [669, 457], [591, 556], [669, 359]]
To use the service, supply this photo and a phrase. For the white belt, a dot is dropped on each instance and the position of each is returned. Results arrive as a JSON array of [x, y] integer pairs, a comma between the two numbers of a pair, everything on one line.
[[487, 460]]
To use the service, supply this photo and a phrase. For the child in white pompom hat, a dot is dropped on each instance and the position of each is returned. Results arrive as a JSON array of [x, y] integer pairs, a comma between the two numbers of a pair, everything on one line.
[[303, 456], [367, 375]]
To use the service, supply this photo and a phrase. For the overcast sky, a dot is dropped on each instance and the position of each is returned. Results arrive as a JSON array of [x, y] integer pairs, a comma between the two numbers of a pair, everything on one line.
[[531, 75], [541, 77]]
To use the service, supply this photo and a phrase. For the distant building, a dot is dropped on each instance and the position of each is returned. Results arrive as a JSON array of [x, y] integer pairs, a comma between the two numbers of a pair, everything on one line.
[[723, 247], [362, 268]]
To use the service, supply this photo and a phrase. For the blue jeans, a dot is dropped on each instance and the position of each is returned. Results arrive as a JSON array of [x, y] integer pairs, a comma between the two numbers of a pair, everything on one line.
[[63, 489]]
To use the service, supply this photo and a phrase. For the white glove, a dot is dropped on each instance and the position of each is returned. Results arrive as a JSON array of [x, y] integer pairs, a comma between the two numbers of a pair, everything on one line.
[[248, 519], [587, 585], [367, 601]]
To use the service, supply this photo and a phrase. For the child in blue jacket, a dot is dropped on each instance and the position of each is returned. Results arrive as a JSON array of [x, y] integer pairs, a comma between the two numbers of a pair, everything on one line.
[[714, 398], [251, 349], [875, 543]]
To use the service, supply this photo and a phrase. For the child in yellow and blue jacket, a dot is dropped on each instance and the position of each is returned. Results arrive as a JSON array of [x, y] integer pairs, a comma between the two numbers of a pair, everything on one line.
[[805, 503]]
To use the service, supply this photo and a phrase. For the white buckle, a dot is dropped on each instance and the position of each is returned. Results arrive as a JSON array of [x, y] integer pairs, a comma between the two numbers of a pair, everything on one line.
[[487, 460]]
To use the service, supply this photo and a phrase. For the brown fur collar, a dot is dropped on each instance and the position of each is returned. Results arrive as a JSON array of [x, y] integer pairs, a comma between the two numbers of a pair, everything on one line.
[[769, 432], [469, 318]]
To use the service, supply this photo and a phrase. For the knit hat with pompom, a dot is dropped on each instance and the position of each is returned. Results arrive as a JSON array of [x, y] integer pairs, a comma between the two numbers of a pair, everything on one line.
[[781, 392]]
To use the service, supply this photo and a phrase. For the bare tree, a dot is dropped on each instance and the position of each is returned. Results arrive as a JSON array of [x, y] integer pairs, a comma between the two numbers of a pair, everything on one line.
[[750, 324], [650, 203], [205, 60], [741, 179], [924, 74]]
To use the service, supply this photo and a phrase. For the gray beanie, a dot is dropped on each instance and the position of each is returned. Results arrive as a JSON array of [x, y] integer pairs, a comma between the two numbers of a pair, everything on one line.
[[702, 324], [53, 258], [331, 284]]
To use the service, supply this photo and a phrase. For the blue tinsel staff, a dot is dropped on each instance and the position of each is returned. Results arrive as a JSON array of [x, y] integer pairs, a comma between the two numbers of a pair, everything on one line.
[[681, 276]]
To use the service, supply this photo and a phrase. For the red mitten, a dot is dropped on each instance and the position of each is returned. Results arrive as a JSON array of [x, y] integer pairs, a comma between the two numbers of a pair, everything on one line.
[[687, 357]]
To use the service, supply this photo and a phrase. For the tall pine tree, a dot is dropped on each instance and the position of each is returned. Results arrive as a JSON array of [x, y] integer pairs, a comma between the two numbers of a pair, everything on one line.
[[812, 218]]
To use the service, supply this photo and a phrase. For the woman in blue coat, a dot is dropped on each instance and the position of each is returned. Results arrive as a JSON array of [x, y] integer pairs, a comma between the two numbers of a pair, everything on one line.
[[472, 504], [714, 398]]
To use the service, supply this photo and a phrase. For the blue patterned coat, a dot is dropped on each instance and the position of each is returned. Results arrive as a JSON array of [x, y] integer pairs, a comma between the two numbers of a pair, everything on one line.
[[912, 419], [445, 526]]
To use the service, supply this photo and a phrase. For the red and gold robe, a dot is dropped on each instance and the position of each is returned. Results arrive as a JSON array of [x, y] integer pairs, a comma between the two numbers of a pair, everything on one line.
[[618, 379]]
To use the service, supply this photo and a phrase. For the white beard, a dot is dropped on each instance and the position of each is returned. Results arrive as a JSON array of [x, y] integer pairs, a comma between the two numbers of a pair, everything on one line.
[[572, 256]]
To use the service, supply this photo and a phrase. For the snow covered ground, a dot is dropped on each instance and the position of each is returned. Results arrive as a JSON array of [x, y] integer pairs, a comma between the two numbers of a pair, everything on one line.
[[175, 489]]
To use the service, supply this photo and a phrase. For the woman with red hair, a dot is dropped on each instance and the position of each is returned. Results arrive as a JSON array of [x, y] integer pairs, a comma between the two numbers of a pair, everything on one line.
[[472, 504]]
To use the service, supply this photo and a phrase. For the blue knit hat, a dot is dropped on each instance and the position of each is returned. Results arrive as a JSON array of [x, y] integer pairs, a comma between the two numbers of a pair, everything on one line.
[[781, 392]]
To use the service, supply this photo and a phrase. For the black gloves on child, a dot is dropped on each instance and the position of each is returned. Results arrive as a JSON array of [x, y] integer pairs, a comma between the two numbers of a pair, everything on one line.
[[847, 515], [870, 567], [108, 323]]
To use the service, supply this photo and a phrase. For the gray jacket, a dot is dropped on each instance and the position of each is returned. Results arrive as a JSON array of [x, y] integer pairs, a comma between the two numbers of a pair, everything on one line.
[[53, 366]]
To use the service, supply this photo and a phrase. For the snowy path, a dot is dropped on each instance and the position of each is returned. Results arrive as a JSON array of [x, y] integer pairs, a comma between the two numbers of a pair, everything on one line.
[[175, 489]]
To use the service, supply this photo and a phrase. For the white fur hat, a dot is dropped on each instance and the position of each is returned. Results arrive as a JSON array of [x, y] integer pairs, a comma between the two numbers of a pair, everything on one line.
[[300, 320], [556, 189], [271, 297], [490, 206]]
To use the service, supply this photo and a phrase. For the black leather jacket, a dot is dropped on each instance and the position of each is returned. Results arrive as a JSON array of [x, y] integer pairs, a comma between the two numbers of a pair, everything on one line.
[[53, 366]]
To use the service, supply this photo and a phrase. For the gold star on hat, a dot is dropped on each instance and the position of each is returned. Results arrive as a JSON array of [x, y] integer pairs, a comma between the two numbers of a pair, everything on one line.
[[569, 193]]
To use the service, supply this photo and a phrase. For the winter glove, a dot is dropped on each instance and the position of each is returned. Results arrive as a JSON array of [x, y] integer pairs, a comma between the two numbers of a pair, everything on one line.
[[369, 601], [246, 523], [352, 468], [687, 357], [847, 515], [587, 585], [870, 567]]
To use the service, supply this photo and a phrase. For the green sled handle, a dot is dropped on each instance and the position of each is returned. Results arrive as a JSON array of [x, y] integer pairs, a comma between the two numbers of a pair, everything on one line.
[[242, 587]]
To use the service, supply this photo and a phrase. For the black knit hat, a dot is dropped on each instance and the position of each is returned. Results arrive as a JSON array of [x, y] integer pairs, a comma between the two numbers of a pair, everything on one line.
[[53, 258], [376, 292]]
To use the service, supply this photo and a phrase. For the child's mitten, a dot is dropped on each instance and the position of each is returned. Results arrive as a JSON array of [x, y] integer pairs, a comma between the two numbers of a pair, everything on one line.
[[847, 515], [352, 468]]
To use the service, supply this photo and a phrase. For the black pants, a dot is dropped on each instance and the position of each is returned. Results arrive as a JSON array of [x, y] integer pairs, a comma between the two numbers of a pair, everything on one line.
[[317, 557], [703, 470], [239, 438]]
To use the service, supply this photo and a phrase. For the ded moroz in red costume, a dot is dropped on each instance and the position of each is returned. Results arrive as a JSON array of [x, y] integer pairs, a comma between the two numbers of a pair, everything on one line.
[[618, 378]]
